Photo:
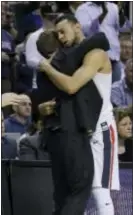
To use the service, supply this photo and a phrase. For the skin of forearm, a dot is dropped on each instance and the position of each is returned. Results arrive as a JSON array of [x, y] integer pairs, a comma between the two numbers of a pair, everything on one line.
[[59, 79]]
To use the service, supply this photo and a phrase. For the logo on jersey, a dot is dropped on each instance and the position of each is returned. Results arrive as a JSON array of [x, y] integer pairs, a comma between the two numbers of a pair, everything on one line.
[[95, 142], [104, 126]]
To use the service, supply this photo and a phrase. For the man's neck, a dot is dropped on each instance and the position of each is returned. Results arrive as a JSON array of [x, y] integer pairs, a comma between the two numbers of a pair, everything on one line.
[[20, 119]]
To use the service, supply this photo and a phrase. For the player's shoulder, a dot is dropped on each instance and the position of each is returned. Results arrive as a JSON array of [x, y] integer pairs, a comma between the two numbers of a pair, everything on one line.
[[97, 58], [36, 34], [96, 53]]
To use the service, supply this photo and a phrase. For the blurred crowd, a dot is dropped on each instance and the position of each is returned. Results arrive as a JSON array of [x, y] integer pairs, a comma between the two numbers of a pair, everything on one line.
[[21, 114]]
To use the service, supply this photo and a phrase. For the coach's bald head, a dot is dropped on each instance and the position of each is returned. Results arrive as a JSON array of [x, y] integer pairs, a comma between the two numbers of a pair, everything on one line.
[[47, 43]]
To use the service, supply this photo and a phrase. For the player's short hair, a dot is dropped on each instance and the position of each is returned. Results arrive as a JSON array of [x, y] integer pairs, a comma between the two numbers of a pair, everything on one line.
[[67, 17], [47, 43]]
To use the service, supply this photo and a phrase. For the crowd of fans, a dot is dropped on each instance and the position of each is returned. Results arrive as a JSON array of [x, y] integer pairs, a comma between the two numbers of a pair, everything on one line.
[[20, 116]]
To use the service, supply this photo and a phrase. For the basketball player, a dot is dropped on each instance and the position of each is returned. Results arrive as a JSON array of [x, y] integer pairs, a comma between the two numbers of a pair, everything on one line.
[[67, 142], [96, 67]]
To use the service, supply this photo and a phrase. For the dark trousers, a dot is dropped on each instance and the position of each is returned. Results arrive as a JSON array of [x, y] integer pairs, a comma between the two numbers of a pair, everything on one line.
[[72, 170]]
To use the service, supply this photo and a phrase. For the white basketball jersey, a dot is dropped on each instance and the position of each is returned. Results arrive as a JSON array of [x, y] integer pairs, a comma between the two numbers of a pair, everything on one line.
[[103, 83]]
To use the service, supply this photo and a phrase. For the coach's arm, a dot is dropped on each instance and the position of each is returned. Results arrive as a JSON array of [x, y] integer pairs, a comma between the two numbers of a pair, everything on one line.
[[92, 63]]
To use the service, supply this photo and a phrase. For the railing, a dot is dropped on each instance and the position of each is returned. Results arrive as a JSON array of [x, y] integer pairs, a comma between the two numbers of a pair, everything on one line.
[[27, 189]]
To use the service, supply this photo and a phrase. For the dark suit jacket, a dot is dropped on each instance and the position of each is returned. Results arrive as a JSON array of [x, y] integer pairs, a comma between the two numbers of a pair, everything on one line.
[[32, 148], [67, 60], [85, 106]]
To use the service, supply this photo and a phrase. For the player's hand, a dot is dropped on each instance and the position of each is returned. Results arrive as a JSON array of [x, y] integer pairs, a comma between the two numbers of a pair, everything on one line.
[[47, 108], [10, 99], [44, 65]]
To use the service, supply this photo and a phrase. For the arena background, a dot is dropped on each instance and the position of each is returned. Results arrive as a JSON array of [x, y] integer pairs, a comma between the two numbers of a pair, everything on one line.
[[27, 186]]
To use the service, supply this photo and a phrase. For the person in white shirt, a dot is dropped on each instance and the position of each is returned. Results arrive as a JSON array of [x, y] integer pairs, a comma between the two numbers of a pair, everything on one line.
[[33, 57], [104, 17]]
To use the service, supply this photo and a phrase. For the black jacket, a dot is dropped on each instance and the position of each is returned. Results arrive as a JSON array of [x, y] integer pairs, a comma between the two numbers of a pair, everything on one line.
[[84, 107]]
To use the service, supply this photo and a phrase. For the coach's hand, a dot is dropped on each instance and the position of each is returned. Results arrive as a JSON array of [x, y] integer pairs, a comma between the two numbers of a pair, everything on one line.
[[47, 108]]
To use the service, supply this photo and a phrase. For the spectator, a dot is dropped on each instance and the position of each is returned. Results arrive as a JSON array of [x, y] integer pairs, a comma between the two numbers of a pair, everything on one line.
[[33, 147], [127, 25], [126, 51], [127, 28], [126, 47], [21, 119], [122, 90], [68, 7], [10, 99], [8, 19], [26, 18], [24, 73], [103, 16], [8, 145], [32, 57], [31, 48], [73, 5], [124, 126], [6, 57]]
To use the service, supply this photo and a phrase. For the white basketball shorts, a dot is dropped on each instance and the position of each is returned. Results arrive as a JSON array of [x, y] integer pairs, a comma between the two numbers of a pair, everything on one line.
[[104, 145]]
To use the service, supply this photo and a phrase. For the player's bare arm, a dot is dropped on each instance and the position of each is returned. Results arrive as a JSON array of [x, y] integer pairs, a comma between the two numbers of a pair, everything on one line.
[[93, 62]]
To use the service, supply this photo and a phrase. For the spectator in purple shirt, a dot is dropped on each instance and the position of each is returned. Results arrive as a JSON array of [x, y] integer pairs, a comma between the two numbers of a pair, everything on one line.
[[24, 73], [126, 51], [21, 119], [104, 17], [7, 47], [122, 90], [8, 145]]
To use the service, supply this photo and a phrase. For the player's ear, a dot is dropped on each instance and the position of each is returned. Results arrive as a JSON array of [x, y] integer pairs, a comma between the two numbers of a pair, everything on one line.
[[77, 27]]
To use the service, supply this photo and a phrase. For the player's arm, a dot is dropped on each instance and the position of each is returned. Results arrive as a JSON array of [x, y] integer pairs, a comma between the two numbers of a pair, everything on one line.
[[92, 63]]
